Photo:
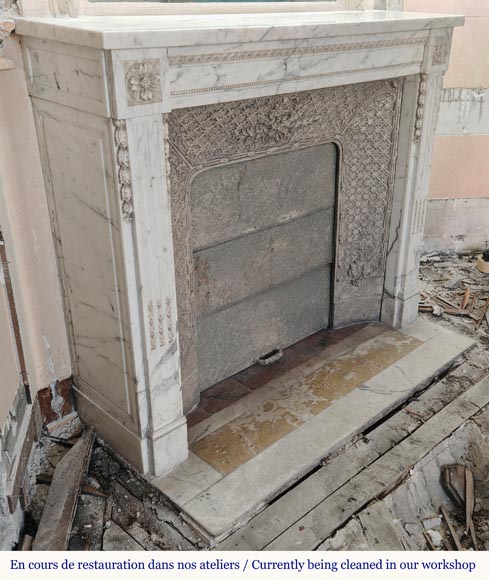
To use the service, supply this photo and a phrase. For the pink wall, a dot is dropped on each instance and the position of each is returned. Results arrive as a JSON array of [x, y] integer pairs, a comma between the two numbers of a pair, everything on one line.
[[460, 163]]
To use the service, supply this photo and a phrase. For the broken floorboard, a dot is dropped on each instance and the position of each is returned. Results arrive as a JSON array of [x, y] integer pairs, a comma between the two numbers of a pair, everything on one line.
[[412, 510], [310, 512], [378, 479], [55, 525]]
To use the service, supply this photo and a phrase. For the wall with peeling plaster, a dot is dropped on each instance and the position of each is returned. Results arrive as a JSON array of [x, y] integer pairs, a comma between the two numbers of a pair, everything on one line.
[[8, 359]]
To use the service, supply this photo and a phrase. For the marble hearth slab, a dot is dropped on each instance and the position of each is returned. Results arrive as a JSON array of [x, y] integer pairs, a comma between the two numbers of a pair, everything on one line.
[[248, 453]]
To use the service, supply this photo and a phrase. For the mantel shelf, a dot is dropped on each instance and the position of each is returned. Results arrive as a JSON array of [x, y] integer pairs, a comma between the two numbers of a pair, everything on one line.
[[116, 32]]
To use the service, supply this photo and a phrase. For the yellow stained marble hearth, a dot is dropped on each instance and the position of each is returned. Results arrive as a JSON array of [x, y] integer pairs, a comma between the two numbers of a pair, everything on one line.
[[292, 404]]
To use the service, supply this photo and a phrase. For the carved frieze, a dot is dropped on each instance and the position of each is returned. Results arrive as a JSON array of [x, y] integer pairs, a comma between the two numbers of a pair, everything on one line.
[[361, 118], [179, 60], [124, 169], [143, 81]]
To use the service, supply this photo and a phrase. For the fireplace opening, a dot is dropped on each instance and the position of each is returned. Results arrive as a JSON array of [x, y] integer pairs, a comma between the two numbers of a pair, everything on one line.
[[263, 237]]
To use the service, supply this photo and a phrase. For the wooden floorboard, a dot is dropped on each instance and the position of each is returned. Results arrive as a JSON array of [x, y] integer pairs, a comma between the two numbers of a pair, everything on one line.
[[379, 478]]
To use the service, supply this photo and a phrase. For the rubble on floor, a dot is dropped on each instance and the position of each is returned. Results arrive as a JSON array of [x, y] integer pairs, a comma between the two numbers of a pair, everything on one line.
[[117, 509], [453, 289]]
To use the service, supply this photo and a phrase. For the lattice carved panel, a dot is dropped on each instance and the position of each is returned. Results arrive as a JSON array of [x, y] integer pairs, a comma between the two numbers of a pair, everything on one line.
[[362, 118]]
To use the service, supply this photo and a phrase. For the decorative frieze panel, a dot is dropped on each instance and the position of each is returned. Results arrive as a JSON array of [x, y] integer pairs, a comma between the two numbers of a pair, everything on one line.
[[361, 118], [181, 60]]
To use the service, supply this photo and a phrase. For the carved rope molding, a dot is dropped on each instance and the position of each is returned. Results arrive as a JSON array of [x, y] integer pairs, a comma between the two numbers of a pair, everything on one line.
[[143, 81], [124, 170], [363, 118], [179, 60]]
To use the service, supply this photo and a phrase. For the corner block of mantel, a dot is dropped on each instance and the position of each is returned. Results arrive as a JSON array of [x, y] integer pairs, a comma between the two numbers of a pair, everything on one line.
[[140, 82]]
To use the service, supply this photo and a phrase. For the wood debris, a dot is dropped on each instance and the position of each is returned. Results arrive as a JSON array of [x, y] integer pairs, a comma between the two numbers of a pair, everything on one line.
[[453, 482], [85, 488], [429, 541], [470, 505], [483, 313], [464, 294], [438, 305], [26, 543], [453, 533], [54, 528], [458, 482]]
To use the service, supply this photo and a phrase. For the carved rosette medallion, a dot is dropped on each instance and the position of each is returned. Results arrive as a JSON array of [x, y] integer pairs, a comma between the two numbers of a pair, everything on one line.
[[440, 51], [143, 81], [124, 169], [362, 118], [6, 27]]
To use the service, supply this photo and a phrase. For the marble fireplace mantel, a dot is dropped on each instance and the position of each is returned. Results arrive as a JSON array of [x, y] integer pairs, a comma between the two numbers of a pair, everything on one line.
[[114, 97]]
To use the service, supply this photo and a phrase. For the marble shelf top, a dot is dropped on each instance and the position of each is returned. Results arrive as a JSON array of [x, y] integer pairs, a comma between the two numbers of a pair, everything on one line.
[[116, 32]]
